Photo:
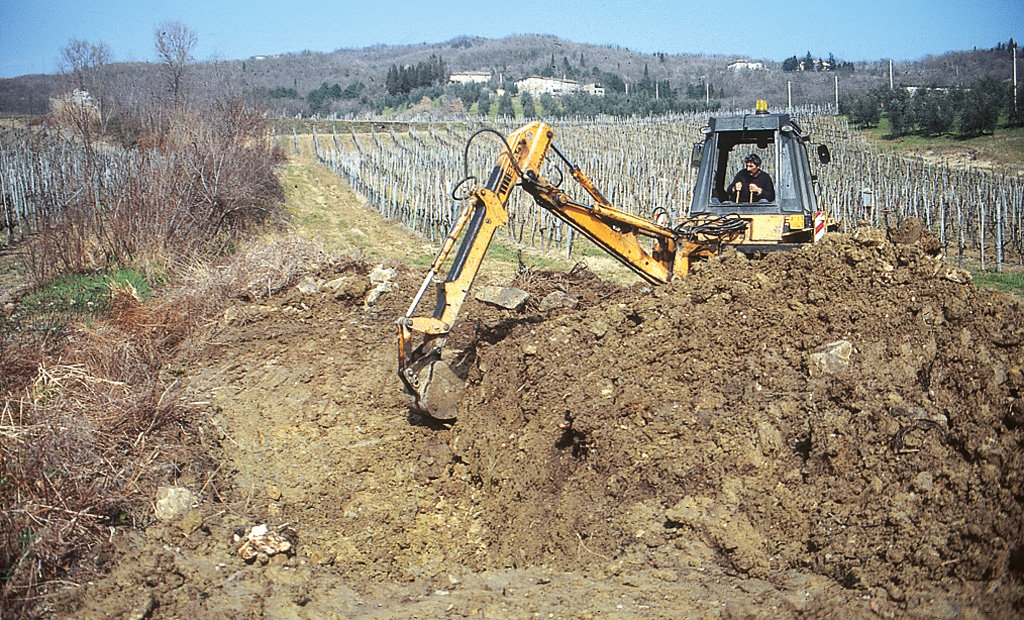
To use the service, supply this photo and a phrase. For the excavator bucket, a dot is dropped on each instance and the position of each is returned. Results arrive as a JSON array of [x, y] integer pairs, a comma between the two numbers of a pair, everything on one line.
[[429, 384], [434, 390]]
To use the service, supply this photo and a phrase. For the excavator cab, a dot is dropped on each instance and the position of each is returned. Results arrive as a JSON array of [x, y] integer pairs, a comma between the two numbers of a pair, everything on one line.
[[793, 217]]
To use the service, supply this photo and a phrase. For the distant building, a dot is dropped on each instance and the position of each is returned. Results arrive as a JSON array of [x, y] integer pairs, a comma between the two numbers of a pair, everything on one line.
[[913, 90], [470, 77], [746, 65], [816, 65], [537, 85], [556, 87]]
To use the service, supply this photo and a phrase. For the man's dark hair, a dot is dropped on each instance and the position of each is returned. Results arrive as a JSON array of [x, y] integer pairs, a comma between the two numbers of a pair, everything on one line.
[[752, 158]]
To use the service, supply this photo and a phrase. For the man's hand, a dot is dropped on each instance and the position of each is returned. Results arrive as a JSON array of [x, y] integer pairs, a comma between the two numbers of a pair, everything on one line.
[[754, 189]]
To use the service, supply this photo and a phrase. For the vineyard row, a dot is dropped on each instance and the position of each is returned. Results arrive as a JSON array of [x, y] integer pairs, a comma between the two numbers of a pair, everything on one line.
[[639, 164], [644, 164]]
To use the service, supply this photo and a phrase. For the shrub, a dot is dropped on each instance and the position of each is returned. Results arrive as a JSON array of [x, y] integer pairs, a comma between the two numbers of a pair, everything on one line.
[[182, 182]]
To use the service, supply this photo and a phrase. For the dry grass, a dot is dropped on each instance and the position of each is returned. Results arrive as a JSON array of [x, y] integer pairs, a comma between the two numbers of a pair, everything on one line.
[[88, 429]]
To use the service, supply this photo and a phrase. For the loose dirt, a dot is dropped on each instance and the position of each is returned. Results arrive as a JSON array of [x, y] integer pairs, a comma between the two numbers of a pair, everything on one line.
[[829, 433]]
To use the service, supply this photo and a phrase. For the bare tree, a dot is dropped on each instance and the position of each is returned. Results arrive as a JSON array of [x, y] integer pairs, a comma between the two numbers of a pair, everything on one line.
[[83, 105], [174, 44], [79, 60]]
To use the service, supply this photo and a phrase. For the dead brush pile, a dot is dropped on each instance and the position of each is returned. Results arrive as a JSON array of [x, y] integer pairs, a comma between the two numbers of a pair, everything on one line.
[[91, 425]]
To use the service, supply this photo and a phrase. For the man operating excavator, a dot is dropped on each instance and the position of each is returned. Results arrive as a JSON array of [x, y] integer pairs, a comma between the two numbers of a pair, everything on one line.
[[752, 184]]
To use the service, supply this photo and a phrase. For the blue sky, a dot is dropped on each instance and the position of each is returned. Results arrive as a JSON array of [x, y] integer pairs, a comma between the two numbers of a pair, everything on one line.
[[32, 32]]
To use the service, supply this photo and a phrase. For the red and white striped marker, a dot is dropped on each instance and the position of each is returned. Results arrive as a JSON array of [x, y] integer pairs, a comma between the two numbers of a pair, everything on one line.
[[819, 225]]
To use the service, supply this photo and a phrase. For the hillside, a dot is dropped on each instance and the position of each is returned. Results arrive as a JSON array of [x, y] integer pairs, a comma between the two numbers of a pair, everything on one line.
[[521, 55]]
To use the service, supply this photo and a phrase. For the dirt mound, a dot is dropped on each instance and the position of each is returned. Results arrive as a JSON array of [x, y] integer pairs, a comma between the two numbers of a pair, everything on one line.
[[849, 410], [834, 432]]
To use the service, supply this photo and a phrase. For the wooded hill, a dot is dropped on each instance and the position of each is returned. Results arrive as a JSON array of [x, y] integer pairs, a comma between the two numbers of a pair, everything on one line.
[[353, 81]]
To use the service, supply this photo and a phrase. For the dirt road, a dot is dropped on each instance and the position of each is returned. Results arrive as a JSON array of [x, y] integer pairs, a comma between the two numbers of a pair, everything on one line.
[[832, 433]]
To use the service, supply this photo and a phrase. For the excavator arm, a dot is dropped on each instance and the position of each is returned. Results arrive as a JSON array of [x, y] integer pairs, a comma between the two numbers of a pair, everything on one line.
[[432, 387], [429, 382]]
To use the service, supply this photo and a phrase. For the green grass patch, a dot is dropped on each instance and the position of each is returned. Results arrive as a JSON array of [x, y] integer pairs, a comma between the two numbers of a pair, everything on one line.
[[1004, 147], [1012, 283], [422, 260], [295, 182], [50, 307], [502, 252], [584, 247], [502, 258], [314, 220], [81, 295]]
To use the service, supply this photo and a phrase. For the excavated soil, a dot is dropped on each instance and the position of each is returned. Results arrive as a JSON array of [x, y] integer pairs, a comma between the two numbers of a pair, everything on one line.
[[829, 433]]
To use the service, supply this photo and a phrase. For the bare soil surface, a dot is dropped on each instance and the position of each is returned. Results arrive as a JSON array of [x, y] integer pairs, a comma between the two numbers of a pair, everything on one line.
[[829, 433]]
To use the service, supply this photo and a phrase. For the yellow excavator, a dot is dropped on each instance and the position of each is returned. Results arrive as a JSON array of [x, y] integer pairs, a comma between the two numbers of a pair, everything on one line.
[[790, 220]]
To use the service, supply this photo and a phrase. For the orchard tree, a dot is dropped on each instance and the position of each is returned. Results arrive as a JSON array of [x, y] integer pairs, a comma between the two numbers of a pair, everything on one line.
[[483, 103], [934, 112], [505, 106], [899, 112], [467, 93], [549, 107], [529, 109], [980, 107], [865, 110]]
